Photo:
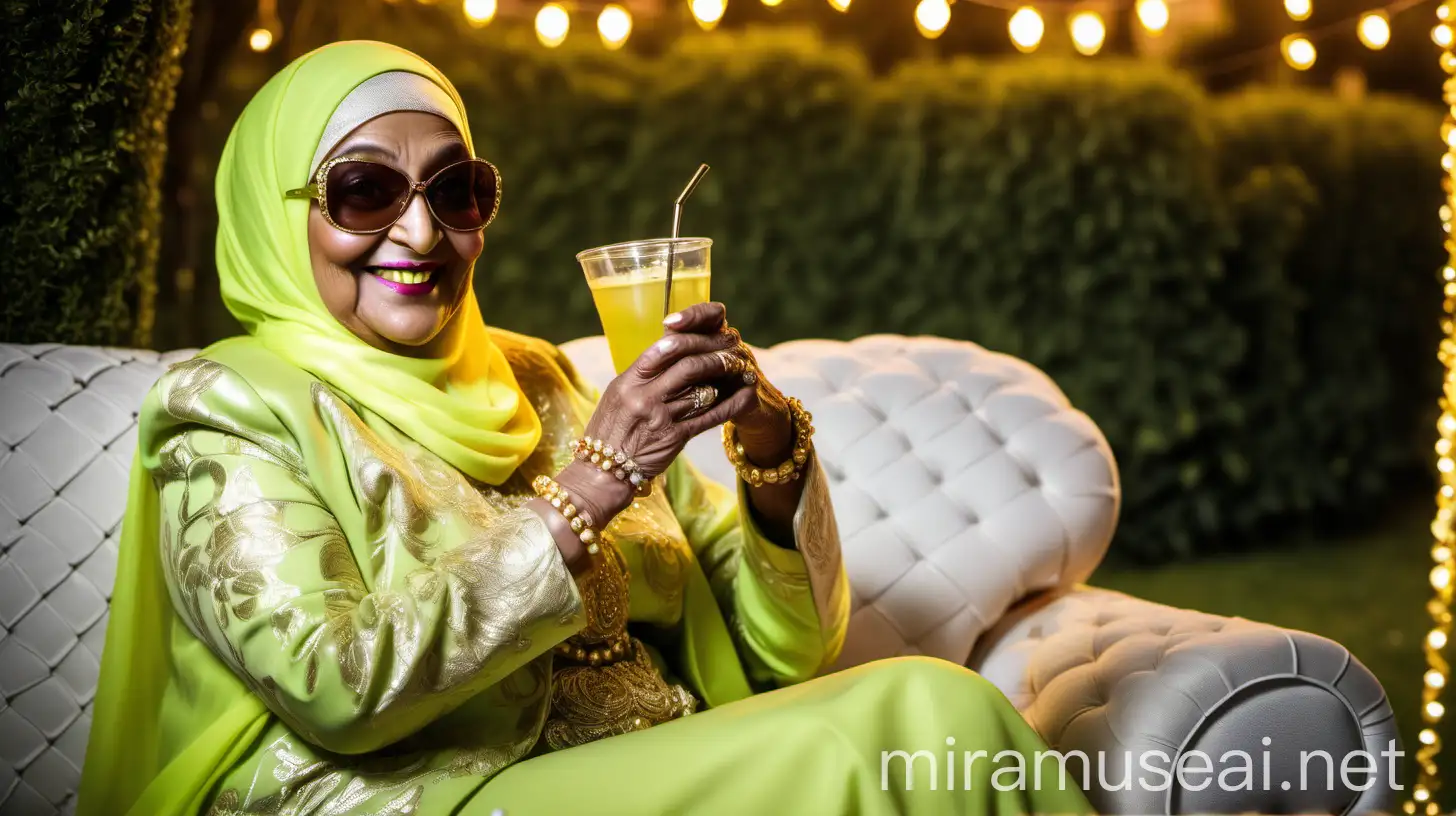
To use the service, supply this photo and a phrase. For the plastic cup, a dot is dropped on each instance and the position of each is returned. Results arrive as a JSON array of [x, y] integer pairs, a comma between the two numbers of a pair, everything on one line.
[[627, 284]]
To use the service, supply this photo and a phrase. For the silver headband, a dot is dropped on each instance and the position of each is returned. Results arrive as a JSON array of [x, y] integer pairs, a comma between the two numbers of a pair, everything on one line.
[[381, 94]]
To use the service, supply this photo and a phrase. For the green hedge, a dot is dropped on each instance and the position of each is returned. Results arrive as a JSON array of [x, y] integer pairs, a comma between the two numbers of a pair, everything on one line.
[[1350, 403], [88, 85], [1241, 292]]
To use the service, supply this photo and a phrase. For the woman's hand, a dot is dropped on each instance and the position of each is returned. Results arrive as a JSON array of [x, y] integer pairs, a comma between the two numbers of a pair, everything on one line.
[[686, 383], [760, 416], [764, 426]]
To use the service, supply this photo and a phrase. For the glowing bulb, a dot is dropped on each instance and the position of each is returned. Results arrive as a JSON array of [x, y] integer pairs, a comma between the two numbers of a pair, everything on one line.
[[1299, 53], [1441, 35], [480, 12], [1088, 32], [1443, 12], [1374, 30], [1434, 709], [1298, 9], [1427, 736], [1441, 555], [1153, 14], [1435, 679], [1436, 639], [840, 5], [772, 3], [931, 17], [615, 26], [1026, 29], [260, 40], [708, 12], [1421, 794], [552, 25], [1441, 577], [1445, 465]]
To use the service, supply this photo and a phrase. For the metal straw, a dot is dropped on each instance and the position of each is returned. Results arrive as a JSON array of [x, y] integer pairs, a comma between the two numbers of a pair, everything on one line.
[[676, 223]]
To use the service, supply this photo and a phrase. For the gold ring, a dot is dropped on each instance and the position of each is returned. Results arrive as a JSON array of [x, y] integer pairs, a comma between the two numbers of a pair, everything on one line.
[[703, 397], [750, 377]]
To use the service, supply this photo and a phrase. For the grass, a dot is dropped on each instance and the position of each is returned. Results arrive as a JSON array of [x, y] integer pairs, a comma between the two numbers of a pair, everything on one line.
[[1366, 590]]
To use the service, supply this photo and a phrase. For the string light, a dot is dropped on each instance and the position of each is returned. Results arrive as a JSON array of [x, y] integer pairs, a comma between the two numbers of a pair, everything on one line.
[[1026, 29], [260, 40], [615, 26], [1443, 532], [1153, 14], [709, 12], [931, 17], [1298, 52], [840, 5], [1374, 29], [267, 27], [772, 3], [1088, 32], [479, 12], [552, 25], [1299, 10]]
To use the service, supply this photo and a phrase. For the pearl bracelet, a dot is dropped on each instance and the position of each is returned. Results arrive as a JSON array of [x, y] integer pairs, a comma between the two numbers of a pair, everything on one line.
[[610, 460], [791, 469], [579, 520]]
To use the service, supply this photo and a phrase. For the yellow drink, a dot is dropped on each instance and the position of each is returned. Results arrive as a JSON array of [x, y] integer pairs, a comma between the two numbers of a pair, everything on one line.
[[630, 308]]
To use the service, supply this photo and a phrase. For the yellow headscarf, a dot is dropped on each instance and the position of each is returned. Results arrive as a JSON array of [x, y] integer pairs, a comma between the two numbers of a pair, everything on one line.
[[465, 405]]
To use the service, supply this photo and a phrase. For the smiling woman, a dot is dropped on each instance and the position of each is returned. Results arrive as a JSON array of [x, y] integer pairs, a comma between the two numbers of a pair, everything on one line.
[[398, 287], [379, 558]]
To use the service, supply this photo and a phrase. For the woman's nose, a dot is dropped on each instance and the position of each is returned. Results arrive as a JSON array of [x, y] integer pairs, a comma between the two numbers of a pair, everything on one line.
[[416, 229]]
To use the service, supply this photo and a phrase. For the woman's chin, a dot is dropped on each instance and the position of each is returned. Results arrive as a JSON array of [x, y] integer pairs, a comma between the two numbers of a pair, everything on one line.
[[410, 330]]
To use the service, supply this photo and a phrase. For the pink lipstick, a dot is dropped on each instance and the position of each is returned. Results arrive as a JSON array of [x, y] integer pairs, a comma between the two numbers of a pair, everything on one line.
[[410, 278]]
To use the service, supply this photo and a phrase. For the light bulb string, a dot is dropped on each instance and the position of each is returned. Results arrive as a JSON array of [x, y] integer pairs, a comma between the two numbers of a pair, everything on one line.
[[1254, 56], [1443, 534]]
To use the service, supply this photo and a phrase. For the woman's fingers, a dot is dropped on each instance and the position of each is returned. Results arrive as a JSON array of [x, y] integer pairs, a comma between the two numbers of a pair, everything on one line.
[[718, 364], [692, 402], [663, 354], [700, 318], [727, 408]]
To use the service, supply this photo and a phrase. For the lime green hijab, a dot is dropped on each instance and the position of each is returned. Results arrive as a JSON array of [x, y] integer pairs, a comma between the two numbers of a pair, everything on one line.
[[148, 753], [465, 405]]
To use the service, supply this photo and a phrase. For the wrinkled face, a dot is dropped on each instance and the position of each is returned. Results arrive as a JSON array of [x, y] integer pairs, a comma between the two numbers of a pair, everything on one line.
[[397, 289]]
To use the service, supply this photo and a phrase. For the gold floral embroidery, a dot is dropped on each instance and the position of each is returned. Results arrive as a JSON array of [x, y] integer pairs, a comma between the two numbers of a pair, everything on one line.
[[410, 496]]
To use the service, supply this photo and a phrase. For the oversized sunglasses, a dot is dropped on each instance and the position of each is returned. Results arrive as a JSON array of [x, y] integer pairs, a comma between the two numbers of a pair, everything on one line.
[[362, 196]]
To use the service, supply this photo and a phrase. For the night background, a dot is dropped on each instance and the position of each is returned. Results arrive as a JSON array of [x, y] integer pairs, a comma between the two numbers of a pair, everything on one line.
[[1232, 265]]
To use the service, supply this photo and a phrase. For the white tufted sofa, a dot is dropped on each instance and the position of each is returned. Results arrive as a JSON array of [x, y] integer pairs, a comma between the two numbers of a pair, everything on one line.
[[972, 500]]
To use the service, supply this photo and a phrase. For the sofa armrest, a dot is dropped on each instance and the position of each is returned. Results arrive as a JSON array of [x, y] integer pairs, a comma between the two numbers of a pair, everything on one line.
[[1137, 686]]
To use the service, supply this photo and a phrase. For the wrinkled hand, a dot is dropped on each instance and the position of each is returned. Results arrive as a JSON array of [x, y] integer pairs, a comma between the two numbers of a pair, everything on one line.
[[764, 426], [649, 411]]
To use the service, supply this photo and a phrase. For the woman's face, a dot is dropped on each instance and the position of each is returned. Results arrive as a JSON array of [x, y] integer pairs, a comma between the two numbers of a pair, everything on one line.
[[367, 282]]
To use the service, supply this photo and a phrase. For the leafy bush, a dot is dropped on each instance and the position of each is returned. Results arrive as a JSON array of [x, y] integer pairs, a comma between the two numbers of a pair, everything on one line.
[[1355, 404], [88, 85]]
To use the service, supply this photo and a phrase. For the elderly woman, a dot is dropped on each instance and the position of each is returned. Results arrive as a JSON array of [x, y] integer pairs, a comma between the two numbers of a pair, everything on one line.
[[379, 558]]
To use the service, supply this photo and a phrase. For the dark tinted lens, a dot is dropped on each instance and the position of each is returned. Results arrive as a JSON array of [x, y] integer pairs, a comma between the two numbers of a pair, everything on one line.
[[463, 195], [365, 196]]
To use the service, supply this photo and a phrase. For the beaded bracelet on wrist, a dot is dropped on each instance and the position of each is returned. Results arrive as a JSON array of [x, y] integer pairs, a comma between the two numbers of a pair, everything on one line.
[[791, 469], [613, 461], [579, 520]]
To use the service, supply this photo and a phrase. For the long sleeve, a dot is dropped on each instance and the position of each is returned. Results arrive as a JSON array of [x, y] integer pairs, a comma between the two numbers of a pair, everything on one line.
[[357, 620], [787, 607]]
